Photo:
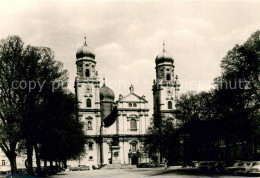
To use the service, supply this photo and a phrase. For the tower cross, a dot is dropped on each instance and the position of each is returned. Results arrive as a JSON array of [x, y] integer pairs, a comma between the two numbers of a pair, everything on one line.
[[163, 45], [104, 80], [85, 37]]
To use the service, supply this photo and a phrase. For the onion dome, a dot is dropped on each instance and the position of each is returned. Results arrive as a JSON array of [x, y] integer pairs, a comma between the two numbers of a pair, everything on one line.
[[164, 57], [106, 94], [85, 51]]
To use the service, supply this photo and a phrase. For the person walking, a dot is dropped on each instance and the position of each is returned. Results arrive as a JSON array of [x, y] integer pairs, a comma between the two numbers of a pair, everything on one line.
[[165, 164]]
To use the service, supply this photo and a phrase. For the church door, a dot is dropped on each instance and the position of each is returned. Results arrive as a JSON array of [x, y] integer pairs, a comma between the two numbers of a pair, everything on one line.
[[134, 160]]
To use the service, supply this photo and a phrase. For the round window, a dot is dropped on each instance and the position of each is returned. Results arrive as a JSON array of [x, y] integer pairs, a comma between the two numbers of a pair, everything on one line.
[[116, 154]]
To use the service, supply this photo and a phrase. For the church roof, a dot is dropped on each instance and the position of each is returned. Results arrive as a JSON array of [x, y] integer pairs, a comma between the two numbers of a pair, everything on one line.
[[132, 97], [106, 94], [164, 56], [85, 51]]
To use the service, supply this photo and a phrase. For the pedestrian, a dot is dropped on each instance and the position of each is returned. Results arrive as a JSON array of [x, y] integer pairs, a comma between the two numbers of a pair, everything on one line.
[[165, 164]]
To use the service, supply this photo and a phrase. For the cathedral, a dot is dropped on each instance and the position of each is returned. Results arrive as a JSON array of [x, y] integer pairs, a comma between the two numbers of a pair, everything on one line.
[[116, 129]]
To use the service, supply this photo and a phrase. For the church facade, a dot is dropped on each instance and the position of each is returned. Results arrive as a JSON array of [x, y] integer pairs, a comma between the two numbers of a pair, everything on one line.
[[122, 140]]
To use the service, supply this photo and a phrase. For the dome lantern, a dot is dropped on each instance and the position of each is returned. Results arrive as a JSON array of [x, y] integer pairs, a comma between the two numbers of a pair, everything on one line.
[[85, 51], [164, 56]]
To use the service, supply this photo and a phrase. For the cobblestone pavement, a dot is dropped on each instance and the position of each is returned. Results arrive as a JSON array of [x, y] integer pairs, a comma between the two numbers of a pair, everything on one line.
[[136, 173]]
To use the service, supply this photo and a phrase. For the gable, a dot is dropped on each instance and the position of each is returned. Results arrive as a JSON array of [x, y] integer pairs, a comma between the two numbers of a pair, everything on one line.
[[132, 97]]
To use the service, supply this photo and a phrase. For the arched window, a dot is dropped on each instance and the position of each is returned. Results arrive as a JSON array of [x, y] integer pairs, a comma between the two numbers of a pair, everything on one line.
[[169, 122], [133, 124], [169, 105], [88, 103], [90, 145], [133, 146], [168, 76], [87, 74], [89, 125]]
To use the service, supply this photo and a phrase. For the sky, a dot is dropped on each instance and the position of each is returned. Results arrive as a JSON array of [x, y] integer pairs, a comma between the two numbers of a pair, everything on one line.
[[128, 35]]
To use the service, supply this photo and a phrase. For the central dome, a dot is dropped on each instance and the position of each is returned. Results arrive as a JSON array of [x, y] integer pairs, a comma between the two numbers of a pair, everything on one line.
[[85, 51], [106, 94], [164, 57]]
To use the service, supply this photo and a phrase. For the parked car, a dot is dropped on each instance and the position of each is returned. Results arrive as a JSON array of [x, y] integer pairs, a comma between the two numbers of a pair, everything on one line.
[[144, 165], [98, 166], [84, 168], [219, 166], [243, 167], [74, 169], [255, 169], [230, 167], [159, 165], [194, 164], [206, 165]]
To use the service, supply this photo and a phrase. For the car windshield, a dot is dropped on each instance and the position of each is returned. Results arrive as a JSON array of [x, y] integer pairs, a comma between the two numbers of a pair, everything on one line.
[[235, 164], [241, 164], [256, 164]]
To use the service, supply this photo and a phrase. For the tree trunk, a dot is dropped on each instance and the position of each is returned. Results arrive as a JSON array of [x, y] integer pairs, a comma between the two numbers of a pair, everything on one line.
[[227, 149], [51, 167], [11, 155], [38, 161], [65, 164], [45, 167], [29, 148], [12, 158]]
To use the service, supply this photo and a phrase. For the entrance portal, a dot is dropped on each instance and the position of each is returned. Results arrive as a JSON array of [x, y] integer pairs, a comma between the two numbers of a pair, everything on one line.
[[134, 160]]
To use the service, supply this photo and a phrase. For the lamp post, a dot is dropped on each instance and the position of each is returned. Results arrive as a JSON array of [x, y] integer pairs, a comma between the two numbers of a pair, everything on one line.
[[101, 142]]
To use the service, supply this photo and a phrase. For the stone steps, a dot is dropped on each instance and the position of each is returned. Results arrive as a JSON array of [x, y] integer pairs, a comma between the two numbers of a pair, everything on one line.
[[119, 166]]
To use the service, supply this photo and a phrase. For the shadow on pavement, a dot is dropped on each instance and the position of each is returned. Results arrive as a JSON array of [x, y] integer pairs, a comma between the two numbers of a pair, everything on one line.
[[194, 172]]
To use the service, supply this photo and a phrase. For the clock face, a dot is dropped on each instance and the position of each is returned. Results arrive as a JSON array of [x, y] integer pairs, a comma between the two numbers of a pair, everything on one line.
[[88, 89], [169, 91]]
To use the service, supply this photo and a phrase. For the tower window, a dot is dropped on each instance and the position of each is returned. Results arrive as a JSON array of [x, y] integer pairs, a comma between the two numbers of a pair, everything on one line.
[[88, 103], [87, 74], [130, 104], [135, 105], [169, 105], [133, 148], [90, 145], [133, 125], [168, 76], [89, 125], [3, 162]]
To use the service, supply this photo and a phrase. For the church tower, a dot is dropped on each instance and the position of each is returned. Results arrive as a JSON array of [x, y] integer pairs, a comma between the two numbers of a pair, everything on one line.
[[87, 89], [165, 87]]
